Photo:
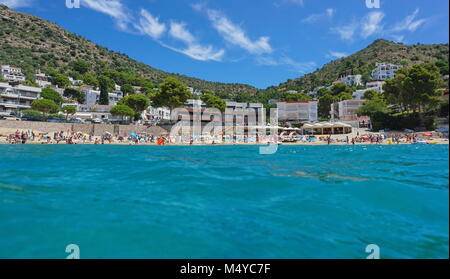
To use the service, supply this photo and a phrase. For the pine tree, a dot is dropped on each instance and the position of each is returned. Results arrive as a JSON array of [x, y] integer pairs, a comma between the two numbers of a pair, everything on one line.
[[104, 83]]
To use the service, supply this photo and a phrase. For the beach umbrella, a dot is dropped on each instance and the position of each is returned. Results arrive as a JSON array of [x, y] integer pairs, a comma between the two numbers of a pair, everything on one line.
[[133, 135], [427, 134]]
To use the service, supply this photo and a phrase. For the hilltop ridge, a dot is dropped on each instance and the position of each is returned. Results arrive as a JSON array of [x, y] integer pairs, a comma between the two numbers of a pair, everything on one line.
[[32, 44], [363, 62]]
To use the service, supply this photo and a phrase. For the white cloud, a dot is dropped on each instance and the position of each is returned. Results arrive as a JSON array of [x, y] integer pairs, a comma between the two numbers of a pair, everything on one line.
[[193, 49], [330, 12], [179, 31], [147, 24], [336, 54], [316, 17], [371, 24], [398, 38], [150, 25], [198, 7], [295, 2], [299, 67], [266, 61], [113, 8], [409, 23], [199, 52], [346, 32], [13, 4], [234, 34]]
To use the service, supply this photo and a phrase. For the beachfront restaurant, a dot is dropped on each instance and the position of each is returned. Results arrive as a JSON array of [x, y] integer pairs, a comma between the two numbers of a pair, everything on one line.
[[327, 128]]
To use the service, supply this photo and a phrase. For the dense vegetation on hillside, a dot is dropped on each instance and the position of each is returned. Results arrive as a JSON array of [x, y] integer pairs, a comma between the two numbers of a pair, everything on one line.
[[33, 43], [363, 62]]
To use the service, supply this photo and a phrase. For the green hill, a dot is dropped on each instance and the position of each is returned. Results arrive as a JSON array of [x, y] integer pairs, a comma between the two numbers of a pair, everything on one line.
[[33, 43], [363, 62]]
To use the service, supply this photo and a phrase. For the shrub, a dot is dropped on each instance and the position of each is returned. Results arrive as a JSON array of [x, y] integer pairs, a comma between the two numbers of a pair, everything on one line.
[[34, 114], [45, 106]]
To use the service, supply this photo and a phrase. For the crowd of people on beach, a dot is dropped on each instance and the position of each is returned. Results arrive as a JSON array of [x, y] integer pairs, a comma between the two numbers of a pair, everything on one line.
[[380, 139], [70, 137]]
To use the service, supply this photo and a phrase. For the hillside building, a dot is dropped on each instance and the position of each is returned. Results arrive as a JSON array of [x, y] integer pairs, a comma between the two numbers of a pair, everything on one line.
[[352, 80], [305, 111], [346, 110], [12, 74], [384, 71], [14, 99], [376, 85]]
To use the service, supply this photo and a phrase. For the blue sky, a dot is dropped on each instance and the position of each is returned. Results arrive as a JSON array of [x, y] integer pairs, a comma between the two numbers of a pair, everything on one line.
[[257, 42]]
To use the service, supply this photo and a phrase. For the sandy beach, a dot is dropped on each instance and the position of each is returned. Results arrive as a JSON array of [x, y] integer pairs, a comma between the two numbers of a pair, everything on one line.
[[320, 140]]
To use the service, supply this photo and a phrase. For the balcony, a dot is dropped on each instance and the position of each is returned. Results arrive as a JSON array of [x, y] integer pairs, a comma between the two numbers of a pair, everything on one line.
[[14, 105], [24, 96]]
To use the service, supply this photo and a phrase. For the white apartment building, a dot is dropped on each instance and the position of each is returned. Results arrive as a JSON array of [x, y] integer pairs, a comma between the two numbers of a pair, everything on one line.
[[241, 111], [93, 97], [376, 85], [384, 71], [352, 80], [359, 94], [75, 82], [42, 80], [95, 112], [237, 111], [191, 103], [17, 98], [11, 73], [195, 92], [305, 111], [155, 115], [346, 110]]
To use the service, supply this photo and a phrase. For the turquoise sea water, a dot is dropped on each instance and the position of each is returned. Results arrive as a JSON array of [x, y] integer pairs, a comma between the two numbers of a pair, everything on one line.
[[224, 202]]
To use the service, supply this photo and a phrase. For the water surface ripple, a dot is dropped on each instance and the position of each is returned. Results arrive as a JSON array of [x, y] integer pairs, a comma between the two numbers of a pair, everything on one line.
[[224, 201]]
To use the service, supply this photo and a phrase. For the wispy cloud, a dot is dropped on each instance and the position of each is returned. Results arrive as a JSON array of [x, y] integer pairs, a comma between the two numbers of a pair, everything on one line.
[[398, 38], [235, 35], [13, 4], [409, 23], [371, 24], [146, 24], [150, 25], [295, 2], [317, 17], [263, 52], [113, 8], [296, 66], [193, 48], [346, 32], [336, 54]]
